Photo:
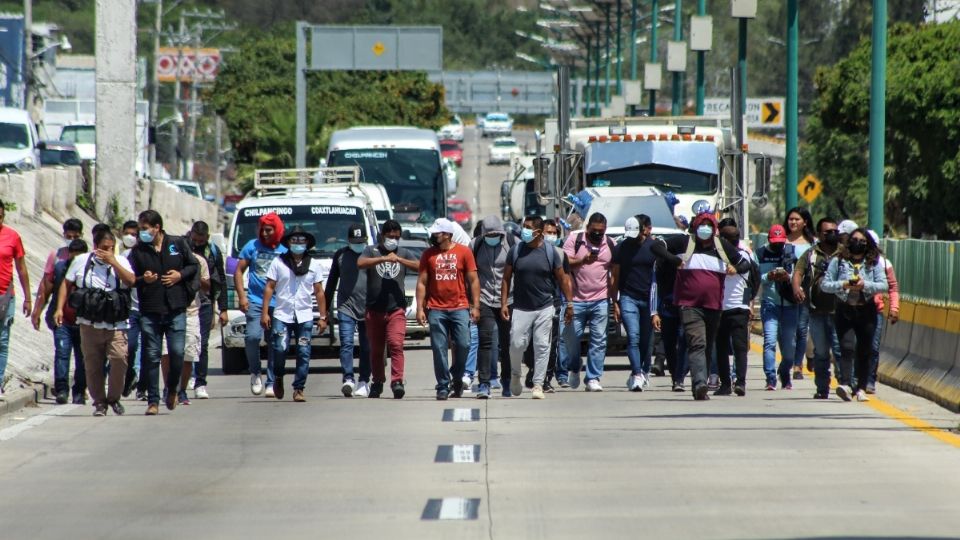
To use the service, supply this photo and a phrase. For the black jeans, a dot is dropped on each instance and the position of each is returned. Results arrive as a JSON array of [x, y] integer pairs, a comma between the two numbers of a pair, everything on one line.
[[675, 350], [734, 330], [200, 368], [700, 328], [855, 328], [494, 335]]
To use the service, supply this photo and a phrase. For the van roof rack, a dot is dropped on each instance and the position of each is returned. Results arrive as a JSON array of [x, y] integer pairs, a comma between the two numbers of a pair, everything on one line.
[[278, 181]]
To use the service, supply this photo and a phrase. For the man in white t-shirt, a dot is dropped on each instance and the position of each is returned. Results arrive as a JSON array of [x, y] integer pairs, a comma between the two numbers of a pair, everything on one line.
[[295, 280], [191, 347], [734, 321]]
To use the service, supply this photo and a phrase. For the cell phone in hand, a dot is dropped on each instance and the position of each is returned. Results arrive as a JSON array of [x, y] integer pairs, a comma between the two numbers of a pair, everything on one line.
[[594, 250]]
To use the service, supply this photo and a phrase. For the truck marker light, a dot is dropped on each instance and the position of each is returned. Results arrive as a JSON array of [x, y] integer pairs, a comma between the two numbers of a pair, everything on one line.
[[675, 137], [603, 138]]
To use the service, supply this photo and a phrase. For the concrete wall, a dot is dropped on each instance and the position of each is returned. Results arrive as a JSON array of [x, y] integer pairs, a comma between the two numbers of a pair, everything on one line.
[[179, 210]]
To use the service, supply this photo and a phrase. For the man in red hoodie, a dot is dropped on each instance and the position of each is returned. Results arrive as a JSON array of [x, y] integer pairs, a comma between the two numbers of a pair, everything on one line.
[[257, 256], [707, 259]]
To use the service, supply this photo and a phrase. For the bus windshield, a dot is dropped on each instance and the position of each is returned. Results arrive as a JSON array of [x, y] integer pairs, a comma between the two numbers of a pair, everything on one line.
[[412, 177], [664, 178], [328, 223]]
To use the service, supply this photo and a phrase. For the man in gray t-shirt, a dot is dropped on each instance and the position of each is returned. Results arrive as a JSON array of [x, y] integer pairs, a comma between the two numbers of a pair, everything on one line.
[[491, 249], [350, 285]]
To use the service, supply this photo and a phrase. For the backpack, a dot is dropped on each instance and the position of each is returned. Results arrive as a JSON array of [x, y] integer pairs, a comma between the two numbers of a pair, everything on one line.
[[551, 254], [788, 260], [578, 243], [59, 273], [98, 305], [753, 281], [817, 265]]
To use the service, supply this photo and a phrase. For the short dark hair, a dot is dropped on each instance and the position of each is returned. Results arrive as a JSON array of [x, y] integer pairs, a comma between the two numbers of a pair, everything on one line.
[[103, 234], [77, 246], [825, 220], [130, 225], [391, 225], [550, 223], [597, 217], [73, 225], [201, 228], [536, 221], [151, 218], [644, 220], [97, 229], [727, 222]]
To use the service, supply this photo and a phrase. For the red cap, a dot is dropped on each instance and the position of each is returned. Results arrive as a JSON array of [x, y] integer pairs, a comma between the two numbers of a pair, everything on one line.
[[777, 235]]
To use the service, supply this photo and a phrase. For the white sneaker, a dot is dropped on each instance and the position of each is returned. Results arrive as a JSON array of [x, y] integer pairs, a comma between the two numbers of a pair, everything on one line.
[[348, 388], [574, 379], [537, 391], [269, 392], [845, 392], [516, 385], [200, 392], [636, 383], [631, 383], [256, 385], [363, 390], [593, 385], [192, 383], [862, 396], [467, 382], [646, 381]]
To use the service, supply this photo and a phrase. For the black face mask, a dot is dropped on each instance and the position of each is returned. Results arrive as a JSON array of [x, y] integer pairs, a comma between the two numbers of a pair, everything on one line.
[[776, 247], [831, 238], [435, 240], [857, 247], [595, 236]]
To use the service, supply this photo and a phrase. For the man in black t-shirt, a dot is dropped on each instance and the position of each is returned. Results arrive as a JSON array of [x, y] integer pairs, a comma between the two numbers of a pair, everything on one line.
[[386, 265]]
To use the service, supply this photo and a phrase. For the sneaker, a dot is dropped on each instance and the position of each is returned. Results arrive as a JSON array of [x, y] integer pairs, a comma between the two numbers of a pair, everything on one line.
[[506, 392], [268, 390], [821, 395], [80, 399], [797, 375], [771, 387], [701, 393], [183, 398], [657, 370], [537, 391], [646, 382], [200, 392], [348, 387], [483, 391], [152, 410], [871, 389], [724, 390], [170, 399], [740, 389], [495, 384], [635, 383], [678, 387], [457, 390], [278, 389], [548, 388], [467, 381], [575, 379], [363, 390], [516, 387], [862, 396], [62, 398], [713, 382], [117, 408], [593, 385], [256, 385], [442, 395], [528, 382], [563, 384], [787, 387], [398, 390], [298, 395], [130, 385], [376, 390], [192, 383], [141, 395], [100, 409], [844, 392]]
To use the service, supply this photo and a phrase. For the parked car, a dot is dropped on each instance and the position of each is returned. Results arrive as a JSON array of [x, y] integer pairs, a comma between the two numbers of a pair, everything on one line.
[[58, 154], [451, 149], [459, 210], [84, 136], [453, 130], [414, 329], [18, 140], [502, 149], [188, 187], [497, 124]]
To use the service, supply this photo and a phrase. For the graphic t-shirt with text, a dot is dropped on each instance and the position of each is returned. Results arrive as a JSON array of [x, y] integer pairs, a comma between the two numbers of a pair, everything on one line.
[[447, 276]]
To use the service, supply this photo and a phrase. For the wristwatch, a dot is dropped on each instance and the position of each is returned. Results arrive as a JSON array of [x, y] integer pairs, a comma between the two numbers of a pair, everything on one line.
[[323, 317]]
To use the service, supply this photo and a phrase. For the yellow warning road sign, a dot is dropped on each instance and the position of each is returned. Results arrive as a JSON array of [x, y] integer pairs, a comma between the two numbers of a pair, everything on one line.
[[770, 112], [810, 188], [379, 48]]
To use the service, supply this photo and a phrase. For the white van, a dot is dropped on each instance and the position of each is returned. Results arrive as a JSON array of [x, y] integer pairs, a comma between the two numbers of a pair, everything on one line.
[[18, 140], [326, 210]]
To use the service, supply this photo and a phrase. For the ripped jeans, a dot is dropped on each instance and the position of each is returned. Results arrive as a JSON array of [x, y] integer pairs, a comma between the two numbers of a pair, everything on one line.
[[281, 335]]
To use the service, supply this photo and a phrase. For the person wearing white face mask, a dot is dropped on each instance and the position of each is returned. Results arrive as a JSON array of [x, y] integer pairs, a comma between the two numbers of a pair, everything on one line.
[[129, 239], [350, 285], [386, 266]]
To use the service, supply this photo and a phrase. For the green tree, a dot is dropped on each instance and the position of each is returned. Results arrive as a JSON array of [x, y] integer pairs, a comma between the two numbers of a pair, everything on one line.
[[923, 129]]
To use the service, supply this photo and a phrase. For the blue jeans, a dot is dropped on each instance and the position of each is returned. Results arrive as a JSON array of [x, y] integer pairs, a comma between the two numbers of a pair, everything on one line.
[[824, 336], [348, 325], [5, 323], [594, 314], [280, 335], [803, 323], [471, 368], [636, 320], [444, 326], [568, 347], [875, 359], [154, 328], [134, 349], [779, 327], [202, 363], [254, 334], [66, 339]]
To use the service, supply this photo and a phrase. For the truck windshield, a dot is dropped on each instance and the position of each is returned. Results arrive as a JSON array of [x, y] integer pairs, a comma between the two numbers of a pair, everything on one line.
[[665, 178], [14, 136], [79, 134], [412, 177], [328, 223]]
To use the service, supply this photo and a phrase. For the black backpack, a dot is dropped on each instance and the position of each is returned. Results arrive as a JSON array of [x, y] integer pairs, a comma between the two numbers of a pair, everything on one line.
[[753, 281], [788, 261]]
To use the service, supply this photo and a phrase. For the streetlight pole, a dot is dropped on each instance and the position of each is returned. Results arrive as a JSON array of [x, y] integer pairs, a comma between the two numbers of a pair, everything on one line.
[[654, 24], [619, 47], [877, 115], [586, 91], [596, 69], [633, 40], [677, 36], [742, 63], [793, 36], [701, 83], [606, 83], [155, 88]]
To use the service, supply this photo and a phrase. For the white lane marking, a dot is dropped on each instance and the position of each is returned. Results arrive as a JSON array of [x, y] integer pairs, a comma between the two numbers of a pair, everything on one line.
[[12, 431], [455, 509], [463, 415], [464, 453]]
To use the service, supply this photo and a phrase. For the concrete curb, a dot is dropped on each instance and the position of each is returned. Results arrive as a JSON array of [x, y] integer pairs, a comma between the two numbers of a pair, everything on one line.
[[16, 400]]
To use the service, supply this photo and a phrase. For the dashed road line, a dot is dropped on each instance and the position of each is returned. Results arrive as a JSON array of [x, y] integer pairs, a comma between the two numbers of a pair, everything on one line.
[[451, 509], [458, 453], [461, 415]]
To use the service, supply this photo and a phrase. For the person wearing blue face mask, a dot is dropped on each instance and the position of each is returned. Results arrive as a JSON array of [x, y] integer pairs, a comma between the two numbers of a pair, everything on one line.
[[350, 286], [295, 279]]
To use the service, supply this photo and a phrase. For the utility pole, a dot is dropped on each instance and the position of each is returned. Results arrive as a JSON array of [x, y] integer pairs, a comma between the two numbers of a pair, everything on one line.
[[654, 23], [701, 83], [677, 76], [195, 110], [217, 159], [175, 129], [27, 53], [586, 91], [742, 62], [155, 88], [606, 83], [792, 118], [619, 47], [596, 69], [633, 39], [878, 87]]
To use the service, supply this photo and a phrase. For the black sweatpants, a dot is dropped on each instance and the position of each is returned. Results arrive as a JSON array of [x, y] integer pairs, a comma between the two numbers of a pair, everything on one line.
[[855, 328], [734, 330]]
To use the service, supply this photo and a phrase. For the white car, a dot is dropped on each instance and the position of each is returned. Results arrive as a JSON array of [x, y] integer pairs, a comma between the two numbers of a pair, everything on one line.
[[502, 149], [497, 125], [18, 140], [453, 130]]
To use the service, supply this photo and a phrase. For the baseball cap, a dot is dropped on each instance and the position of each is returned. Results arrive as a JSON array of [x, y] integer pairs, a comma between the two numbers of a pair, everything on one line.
[[876, 238], [632, 228], [847, 227], [356, 234], [777, 234], [441, 225]]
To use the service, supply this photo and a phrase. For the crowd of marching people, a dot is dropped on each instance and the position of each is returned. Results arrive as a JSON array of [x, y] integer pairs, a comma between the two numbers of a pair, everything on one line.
[[135, 308]]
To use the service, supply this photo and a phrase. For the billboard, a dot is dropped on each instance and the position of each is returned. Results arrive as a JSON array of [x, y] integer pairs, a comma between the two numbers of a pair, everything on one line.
[[200, 63], [12, 61]]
